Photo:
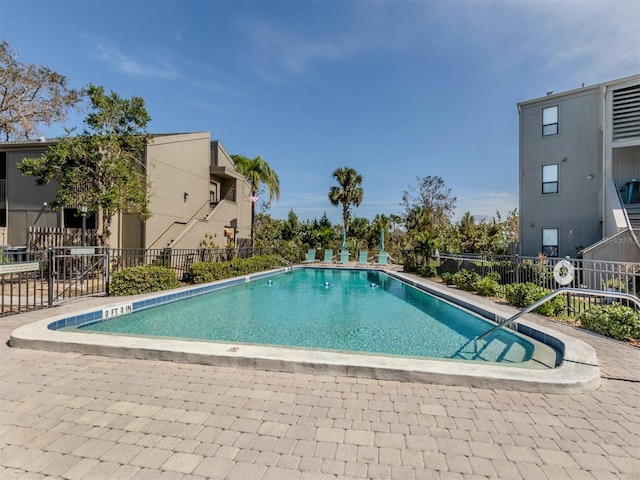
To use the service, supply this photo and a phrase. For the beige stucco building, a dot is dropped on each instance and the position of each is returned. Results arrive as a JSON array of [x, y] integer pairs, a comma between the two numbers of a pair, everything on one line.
[[580, 172], [194, 190]]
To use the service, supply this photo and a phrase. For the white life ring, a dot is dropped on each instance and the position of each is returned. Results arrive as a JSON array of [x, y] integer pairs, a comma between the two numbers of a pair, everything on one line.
[[563, 272]]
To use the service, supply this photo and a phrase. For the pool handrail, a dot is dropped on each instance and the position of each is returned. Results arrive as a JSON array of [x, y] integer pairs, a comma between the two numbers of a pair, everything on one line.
[[546, 298], [288, 263]]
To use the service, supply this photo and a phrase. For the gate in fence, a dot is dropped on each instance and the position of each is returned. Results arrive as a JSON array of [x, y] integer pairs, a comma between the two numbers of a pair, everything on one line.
[[77, 271], [31, 280]]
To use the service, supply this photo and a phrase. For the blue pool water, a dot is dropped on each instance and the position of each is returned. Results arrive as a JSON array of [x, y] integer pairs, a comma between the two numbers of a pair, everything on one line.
[[347, 310]]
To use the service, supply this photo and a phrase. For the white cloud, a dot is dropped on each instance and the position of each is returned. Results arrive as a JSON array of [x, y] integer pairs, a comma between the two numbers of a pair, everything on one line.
[[107, 51], [279, 52], [565, 40]]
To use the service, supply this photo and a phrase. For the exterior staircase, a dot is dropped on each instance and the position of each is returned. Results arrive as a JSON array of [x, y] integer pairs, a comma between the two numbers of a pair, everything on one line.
[[633, 212]]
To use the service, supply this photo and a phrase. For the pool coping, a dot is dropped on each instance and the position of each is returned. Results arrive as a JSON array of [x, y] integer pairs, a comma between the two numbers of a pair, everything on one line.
[[578, 371]]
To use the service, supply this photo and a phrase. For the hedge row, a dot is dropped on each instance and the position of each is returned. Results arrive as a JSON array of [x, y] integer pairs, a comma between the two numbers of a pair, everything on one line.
[[472, 282], [204, 272], [615, 321], [147, 279], [153, 278]]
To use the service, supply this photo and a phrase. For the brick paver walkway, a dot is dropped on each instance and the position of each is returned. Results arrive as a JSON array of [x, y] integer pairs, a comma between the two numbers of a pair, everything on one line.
[[87, 417]]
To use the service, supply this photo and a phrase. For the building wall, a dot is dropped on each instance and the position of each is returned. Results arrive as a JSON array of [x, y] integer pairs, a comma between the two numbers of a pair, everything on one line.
[[25, 199], [179, 170], [577, 150], [242, 223], [178, 167]]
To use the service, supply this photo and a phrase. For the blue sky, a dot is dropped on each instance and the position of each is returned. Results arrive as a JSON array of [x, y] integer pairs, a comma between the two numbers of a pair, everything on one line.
[[394, 89]]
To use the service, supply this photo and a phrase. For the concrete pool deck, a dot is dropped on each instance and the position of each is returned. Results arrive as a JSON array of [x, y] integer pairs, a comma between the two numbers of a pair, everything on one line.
[[69, 415]]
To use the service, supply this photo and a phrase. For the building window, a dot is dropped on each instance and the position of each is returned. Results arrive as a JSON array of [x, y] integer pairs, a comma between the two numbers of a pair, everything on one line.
[[550, 179], [550, 242], [550, 121]]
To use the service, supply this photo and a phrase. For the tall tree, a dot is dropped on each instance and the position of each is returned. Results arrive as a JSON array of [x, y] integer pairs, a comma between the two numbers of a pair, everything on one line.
[[257, 172], [348, 193], [429, 205], [291, 226], [103, 166], [31, 95]]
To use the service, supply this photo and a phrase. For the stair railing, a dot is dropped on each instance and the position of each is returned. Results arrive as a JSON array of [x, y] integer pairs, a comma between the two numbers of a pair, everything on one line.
[[546, 298], [626, 218]]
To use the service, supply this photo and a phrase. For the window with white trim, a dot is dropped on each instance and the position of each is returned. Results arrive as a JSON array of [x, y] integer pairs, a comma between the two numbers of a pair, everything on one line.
[[550, 121], [550, 242], [549, 179]]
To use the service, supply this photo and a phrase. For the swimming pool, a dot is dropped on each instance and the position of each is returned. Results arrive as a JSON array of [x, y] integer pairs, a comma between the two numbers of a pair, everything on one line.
[[560, 363], [330, 309]]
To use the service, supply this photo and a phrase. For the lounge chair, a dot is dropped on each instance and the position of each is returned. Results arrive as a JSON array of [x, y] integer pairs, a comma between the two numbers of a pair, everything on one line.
[[311, 256], [344, 256], [328, 256], [382, 258], [363, 257]]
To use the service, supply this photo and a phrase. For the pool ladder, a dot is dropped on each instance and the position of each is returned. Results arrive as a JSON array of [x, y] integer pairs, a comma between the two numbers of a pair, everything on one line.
[[288, 263], [546, 298]]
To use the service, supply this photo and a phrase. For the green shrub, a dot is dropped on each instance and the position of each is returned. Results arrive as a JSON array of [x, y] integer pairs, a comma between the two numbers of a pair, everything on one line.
[[615, 321], [554, 307], [487, 286], [522, 295], [428, 271], [447, 278], [465, 279], [204, 272], [136, 280]]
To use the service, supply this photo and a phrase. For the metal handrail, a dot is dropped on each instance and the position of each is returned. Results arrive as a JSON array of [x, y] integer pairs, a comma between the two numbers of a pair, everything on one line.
[[546, 298], [197, 212], [288, 263], [626, 218]]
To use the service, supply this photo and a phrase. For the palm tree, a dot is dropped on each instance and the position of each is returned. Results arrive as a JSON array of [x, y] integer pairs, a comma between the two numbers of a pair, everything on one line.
[[257, 172], [348, 193]]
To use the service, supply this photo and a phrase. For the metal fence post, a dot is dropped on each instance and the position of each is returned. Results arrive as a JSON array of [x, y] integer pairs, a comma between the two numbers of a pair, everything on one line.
[[107, 263], [50, 258]]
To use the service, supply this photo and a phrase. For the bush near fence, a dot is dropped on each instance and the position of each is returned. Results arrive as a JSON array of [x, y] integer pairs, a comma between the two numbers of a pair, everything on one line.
[[524, 280], [615, 321], [137, 280], [204, 272]]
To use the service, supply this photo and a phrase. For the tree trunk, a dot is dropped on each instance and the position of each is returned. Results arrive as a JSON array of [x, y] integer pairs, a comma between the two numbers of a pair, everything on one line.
[[106, 229], [253, 210]]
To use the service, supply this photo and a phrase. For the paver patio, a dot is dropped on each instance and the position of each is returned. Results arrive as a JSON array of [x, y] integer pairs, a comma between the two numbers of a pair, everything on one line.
[[84, 417]]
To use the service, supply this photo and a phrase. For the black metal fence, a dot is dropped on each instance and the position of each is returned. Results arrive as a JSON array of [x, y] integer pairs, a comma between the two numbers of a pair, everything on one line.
[[24, 281], [31, 280], [179, 260]]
